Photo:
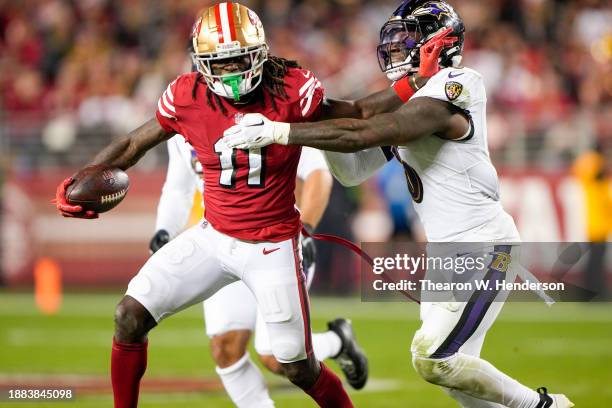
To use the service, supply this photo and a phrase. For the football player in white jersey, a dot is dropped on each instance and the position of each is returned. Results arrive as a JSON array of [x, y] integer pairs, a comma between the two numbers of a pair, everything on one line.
[[231, 314], [440, 137]]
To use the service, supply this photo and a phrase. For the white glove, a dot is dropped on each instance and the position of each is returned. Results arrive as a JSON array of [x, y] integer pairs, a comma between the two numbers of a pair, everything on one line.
[[254, 131]]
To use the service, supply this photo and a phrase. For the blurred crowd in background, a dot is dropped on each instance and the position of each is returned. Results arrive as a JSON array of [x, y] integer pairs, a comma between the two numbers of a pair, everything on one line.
[[76, 73]]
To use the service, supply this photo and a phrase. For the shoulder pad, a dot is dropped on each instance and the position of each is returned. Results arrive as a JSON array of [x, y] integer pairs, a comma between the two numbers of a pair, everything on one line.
[[460, 86]]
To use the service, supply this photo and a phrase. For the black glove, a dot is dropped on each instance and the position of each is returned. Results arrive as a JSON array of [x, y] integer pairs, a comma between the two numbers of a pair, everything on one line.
[[160, 239], [309, 250]]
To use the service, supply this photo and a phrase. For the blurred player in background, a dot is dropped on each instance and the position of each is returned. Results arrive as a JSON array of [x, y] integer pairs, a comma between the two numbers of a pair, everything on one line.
[[231, 314], [590, 171], [440, 136], [251, 227]]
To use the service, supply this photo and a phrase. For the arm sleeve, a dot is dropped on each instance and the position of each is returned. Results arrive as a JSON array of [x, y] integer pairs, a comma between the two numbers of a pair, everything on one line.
[[311, 160], [351, 169], [177, 193]]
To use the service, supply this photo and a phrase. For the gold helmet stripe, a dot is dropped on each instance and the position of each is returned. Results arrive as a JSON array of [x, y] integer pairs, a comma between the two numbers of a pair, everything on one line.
[[224, 16]]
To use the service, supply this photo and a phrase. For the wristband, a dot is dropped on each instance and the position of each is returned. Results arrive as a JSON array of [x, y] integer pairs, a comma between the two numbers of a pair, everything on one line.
[[403, 89], [280, 132]]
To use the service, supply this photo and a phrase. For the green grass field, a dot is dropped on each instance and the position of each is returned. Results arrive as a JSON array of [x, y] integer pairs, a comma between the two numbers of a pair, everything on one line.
[[567, 348]]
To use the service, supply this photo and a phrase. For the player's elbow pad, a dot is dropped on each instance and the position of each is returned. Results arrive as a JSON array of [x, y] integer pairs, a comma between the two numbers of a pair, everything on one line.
[[352, 169]]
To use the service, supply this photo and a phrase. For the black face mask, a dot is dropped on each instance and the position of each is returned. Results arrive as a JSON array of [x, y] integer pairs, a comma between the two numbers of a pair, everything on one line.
[[399, 43]]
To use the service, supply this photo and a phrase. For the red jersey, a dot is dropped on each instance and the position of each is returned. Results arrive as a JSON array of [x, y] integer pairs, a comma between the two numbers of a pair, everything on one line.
[[249, 194]]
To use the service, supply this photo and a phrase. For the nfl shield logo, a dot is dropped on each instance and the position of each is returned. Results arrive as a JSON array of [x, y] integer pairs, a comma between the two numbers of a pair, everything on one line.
[[108, 177], [238, 117], [453, 90]]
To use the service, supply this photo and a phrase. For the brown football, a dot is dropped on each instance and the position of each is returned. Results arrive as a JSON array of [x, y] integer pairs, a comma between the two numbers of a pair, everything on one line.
[[98, 188]]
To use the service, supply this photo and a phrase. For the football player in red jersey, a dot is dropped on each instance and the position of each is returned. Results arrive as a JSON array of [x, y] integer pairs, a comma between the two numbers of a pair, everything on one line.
[[251, 227], [231, 314]]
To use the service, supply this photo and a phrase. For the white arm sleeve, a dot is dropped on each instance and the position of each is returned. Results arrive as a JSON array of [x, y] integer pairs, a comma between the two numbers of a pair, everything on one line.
[[351, 169], [177, 194], [311, 160]]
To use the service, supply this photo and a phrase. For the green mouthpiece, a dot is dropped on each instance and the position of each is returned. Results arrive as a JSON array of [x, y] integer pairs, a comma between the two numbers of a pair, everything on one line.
[[234, 82]]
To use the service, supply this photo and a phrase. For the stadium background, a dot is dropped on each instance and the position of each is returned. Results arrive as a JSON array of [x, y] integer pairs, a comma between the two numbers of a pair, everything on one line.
[[75, 74]]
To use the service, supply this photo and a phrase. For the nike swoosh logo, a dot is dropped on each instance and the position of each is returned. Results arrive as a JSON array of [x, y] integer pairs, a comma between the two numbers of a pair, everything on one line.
[[266, 251], [450, 74]]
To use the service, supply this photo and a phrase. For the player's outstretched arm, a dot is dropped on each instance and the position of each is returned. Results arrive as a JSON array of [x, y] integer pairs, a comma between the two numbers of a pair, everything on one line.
[[387, 100], [418, 118], [124, 152]]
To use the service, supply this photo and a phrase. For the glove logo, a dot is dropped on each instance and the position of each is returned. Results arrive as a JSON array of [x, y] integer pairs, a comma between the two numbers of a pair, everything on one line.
[[453, 90]]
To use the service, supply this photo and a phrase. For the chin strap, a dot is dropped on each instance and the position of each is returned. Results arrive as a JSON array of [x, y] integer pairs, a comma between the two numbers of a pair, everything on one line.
[[233, 81]]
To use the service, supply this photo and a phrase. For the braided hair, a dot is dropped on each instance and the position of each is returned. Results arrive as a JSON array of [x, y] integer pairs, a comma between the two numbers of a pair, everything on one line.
[[272, 81]]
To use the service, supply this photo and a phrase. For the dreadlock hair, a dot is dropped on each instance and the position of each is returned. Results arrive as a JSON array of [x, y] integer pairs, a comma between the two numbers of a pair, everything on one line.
[[273, 81]]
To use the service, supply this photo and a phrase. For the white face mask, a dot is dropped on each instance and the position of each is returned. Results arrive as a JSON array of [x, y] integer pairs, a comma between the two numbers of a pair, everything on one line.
[[233, 85]]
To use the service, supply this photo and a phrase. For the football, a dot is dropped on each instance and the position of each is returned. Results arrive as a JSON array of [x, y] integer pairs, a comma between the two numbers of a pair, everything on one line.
[[98, 188]]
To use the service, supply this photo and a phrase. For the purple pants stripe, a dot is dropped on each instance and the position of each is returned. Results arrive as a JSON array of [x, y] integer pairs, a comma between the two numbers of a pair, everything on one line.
[[475, 310]]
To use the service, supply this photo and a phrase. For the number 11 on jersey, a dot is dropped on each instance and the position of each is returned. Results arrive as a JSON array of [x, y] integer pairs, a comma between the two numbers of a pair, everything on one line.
[[227, 158]]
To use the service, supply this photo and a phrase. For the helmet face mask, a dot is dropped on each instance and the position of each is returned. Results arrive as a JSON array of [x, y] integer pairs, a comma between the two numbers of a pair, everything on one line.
[[233, 85], [229, 34], [411, 26], [398, 51]]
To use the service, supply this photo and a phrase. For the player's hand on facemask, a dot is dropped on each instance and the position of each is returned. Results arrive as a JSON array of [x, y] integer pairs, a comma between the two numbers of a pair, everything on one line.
[[65, 208], [430, 53], [254, 131], [160, 239]]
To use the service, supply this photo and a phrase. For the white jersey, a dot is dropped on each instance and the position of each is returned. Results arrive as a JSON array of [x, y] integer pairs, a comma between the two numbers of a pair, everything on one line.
[[184, 178], [454, 184]]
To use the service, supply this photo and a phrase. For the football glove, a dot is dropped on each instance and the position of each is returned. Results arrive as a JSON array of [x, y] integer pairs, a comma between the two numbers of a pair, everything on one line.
[[65, 208], [160, 239], [254, 131], [430, 53]]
